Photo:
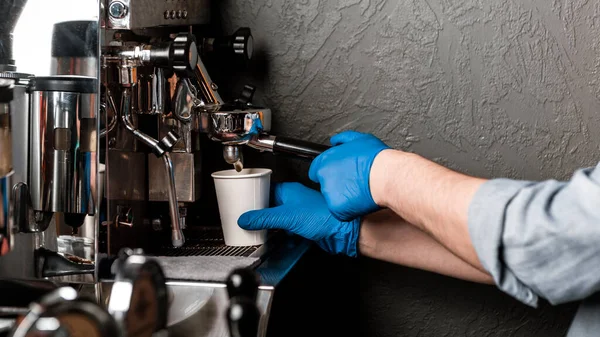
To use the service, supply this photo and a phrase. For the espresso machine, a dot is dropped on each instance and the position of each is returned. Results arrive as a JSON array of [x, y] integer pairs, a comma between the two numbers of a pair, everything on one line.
[[162, 110], [103, 192], [162, 104]]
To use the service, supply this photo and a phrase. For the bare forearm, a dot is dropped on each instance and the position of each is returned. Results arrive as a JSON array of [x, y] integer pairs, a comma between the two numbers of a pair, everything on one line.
[[385, 236], [428, 195]]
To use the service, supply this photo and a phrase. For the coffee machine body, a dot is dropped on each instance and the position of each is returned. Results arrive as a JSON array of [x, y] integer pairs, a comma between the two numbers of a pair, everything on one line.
[[113, 107]]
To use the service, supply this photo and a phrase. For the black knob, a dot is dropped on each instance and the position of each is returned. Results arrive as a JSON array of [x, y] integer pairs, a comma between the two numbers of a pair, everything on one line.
[[168, 142], [239, 45], [243, 282], [181, 54], [246, 95], [243, 43], [243, 318]]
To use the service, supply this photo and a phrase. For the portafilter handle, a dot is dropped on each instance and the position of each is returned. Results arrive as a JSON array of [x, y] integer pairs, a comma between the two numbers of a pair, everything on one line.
[[279, 145]]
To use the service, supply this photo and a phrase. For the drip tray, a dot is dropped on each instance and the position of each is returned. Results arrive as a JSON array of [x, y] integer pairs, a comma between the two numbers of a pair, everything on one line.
[[208, 241]]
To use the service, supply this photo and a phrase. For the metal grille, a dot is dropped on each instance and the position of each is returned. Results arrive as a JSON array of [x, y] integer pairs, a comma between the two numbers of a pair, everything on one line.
[[207, 241]]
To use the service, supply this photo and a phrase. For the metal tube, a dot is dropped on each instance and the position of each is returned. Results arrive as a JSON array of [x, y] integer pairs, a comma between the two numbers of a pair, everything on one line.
[[177, 237], [112, 106], [126, 115]]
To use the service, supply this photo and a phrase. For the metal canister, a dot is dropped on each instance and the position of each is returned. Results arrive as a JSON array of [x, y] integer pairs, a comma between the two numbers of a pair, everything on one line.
[[63, 144]]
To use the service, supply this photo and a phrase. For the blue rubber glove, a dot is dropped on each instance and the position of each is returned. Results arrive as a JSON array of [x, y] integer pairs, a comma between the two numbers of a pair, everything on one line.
[[302, 211], [343, 172]]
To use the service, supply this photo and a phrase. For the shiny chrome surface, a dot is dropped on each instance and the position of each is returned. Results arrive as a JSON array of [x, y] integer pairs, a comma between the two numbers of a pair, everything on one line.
[[36, 311], [6, 157], [126, 101], [177, 238], [262, 143], [84, 66], [233, 155], [185, 100], [105, 108], [26, 51], [207, 89], [236, 127], [151, 91], [126, 175], [136, 14], [206, 302], [160, 150], [187, 168], [188, 131], [19, 115], [62, 152]]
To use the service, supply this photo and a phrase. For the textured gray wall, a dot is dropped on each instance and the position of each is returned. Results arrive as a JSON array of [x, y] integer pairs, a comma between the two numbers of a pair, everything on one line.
[[492, 88]]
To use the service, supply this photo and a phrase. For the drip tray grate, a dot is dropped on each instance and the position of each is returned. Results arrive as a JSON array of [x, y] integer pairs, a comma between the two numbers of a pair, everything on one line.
[[207, 241]]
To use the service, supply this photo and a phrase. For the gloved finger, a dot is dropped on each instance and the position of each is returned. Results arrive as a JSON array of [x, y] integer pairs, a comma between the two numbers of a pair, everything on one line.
[[295, 219], [315, 166], [295, 193], [268, 218], [346, 136]]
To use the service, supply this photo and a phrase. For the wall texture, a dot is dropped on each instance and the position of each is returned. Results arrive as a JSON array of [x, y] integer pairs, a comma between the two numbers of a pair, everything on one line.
[[492, 88]]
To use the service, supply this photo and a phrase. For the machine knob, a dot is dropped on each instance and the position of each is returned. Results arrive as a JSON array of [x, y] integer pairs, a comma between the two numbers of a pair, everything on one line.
[[243, 318], [246, 95], [63, 313], [138, 298], [242, 282], [240, 45], [243, 43], [183, 54]]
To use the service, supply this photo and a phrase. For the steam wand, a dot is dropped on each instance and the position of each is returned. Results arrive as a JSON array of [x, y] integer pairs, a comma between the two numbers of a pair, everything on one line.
[[160, 149]]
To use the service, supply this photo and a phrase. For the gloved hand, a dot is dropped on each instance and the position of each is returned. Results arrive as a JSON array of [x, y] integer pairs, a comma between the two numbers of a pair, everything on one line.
[[302, 211], [343, 172]]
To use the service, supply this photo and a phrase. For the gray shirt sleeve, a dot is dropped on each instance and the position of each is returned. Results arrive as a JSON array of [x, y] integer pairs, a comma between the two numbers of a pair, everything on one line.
[[540, 238]]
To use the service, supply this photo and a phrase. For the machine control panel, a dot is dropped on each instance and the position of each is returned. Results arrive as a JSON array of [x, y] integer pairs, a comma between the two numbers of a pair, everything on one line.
[[138, 14]]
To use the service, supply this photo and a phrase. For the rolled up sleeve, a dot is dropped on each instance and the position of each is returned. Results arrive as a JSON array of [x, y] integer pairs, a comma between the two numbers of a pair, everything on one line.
[[540, 238]]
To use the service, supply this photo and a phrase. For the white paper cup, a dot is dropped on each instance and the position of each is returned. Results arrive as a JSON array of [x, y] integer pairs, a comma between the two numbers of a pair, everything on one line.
[[237, 193]]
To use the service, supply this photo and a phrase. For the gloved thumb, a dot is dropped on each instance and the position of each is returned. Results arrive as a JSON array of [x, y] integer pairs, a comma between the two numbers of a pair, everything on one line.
[[346, 137], [268, 218]]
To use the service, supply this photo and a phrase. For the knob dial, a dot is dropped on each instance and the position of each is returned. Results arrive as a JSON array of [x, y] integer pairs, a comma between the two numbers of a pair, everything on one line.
[[243, 318], [243, 282], [139, 298], [239, 47], [243, 43], [183, 53], [63, 313]]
